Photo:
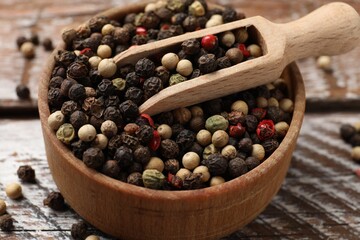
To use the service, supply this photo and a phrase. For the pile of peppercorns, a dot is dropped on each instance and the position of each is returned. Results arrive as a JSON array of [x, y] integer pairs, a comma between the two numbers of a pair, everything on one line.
[[350, 133], [94, 104]]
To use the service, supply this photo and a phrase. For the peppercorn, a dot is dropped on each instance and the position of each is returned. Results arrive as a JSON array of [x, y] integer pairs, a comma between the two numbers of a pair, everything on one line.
[[287, 105], [144, 134], [235, 55], [134, 94], [47, 44], [178, 18], [2, 207], [28, 50], [355, 140], [204, 171], [55, 201], [215, 20], [129, 141], [169, 149], [87, 133], [129, 110], [251, 123], [77, 92], [100, 141], [220, 138], [22, 91], [191, 46], [164, 131], [107, 67], [139, 40], [183, 173], [153, 179], [26, 173], [258, 151], [265, 129], [191, 160], [93, 158], [20, 41], [55, 120], [241, 35], [164, 74], [79, 230], [216, 163], [65, 133], [223, 62], [145, 68], [245, 145], [275, 114], [176, 78], [155, 163], [237, 167], [78, 119], [13, 190], [185, 139], [171, 166], [281, 129], [216, 122], [191, 24], [229, 152], [207, 63], [193, 181], [152, 86], [92, 237], [111, 169], [6, 223], [77, 71], [255, 50], [347, 131], [229, 15], [142, 155], [124, 156], [355, 154], [270, 145], [132, 80], [135, 178]]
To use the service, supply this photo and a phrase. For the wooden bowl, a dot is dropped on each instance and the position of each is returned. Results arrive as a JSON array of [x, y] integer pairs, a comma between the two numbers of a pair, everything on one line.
[[131, 212]]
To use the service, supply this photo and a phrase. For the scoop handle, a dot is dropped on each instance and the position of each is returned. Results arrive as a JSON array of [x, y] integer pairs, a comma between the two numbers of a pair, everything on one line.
[[332, 29]]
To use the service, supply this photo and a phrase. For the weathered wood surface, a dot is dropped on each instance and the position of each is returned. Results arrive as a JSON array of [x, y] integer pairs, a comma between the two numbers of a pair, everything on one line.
[[47, 18], [319, 199]]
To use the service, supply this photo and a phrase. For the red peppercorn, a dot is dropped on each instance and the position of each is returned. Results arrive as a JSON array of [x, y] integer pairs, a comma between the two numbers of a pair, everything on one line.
[[259, 113], [165, 27], [85, 50], [148, 118], [209, 42], [174, 181], [141, 31], [265, 129], [244, 51], [154, 143], [237, 130]]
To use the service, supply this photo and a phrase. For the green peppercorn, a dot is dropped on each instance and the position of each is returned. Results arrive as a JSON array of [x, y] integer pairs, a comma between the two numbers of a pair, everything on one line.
[[153, 179], [216, 122], [176, 78], [65, 133]]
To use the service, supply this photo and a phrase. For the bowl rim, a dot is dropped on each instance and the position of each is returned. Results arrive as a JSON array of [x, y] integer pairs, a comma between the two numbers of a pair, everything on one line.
[[297, 89]]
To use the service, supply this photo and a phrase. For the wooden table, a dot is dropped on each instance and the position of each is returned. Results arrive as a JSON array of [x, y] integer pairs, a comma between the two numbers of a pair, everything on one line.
[[320, 197]]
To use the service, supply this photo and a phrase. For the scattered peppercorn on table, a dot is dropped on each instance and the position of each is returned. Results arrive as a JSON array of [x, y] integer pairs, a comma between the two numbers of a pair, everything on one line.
[[321, 183]]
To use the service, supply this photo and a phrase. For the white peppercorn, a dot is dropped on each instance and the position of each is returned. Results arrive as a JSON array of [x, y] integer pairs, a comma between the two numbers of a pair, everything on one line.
[[170, 61], [107, 67], [104, 51], [108, 128], [287, 105], [203, 137], [208, 150], [220, 138], [55, 120], [324, 62], [255, 50], [183, 173], [107, 29], [28, 50], [184, 67], [150, 7], [92, 237], [2, 207], [227, 39], [100, 141], [191, 160], [229, 152], [205, 174], [87, 133], [94, 61], [155, 163], [216, 180], [215, 20], [197, 9], [261, 102], [273, 102], [13, 190], [258, 151], [164, 131], [281, 129], [355, 154], [240, 106]]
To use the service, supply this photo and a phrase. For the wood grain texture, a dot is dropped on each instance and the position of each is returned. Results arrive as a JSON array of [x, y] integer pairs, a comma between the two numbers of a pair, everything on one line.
[[319, 199]]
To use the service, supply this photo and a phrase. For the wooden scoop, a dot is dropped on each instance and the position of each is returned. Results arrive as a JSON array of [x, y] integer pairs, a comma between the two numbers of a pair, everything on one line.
[[330, 30]]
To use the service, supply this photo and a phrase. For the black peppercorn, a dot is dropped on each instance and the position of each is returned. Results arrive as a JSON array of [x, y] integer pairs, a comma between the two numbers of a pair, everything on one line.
[[22, 91], [171, 166], [164, 13], [69, 107], [55, 82], [176, 128], [111, 169], [229, 15], [59, 71], [248, 98], [93, 158], [96, 23], [252, 162], [144, 134], [169, 149], [132, 79], [275, 114], [135, 167], [97, 107], [197, 148], [237, 167], [245, 145], [173, 182], [251, 123], [6, 223], [79, 147], [142, 155], [65, 58], [355, 140], [165, 118], [135, 178], [193, 181], [113, 113], [164, 74], [191, 46], [20, 41], [185, 139], [149, 20], [163, 34], [55, 201], [129, 141], [213, 107], [124, 156], [152, 86], [191, 24], [55, 99], [129, 110], [223, 62], [112, 100], [347, 131], [207, 63], [121, 35], [270, 145], [79, 230], [114, 143], [105, 88], [66, 85], [26, 173], [47, 44], [140, 39], [196, 73], [134, 94], [77, 92], [78, 119], [145, 68], [236, 117], [130, 18], [217, 164], [109, 41]]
